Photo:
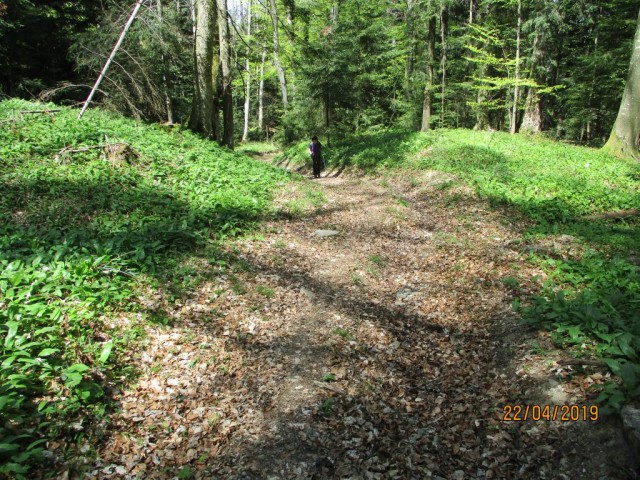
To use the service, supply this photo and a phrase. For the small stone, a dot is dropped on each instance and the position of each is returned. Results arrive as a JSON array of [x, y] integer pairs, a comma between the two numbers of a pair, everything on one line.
[[325, 233], [308, 293]]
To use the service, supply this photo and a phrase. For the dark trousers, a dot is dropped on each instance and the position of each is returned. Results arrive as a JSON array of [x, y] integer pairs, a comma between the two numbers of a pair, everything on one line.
[[317, 164]]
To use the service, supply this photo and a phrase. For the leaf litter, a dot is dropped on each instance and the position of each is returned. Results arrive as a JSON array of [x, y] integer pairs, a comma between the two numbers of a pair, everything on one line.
[[384, 352]]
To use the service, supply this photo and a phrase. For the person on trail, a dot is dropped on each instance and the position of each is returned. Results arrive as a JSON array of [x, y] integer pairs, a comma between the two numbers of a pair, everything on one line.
[[315, 150]]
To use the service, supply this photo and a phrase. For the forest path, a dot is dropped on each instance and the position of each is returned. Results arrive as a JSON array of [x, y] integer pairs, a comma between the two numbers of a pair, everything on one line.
[[385, 351]]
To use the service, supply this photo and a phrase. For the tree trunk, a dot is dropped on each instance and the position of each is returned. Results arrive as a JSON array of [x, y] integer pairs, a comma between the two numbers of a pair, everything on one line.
[[472, 9], [431, 45], [276, 54], [625, 134], [482, 116], [411, 39], [225, 59], [247, 95], [203, 111], [443, 60], [261, 91], [532, 120], [516, 90], [165, 71]]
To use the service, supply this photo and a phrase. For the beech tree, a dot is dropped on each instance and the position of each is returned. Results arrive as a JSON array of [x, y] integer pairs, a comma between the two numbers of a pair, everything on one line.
[[273, 12], [625, 135]]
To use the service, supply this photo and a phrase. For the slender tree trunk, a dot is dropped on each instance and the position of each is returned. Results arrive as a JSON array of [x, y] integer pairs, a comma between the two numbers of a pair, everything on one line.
[[203, 114], [625, 134], [443, 60], [225, 59], [472, 9], [411, 39], [482, 116], [431, 45], [103, 72], [165, 71], [247, 95], [594, 79], [261, 91], [276, 54], [516, 90]]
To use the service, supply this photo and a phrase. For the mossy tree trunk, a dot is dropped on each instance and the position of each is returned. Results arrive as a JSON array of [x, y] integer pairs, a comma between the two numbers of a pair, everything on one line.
[[625, 135]]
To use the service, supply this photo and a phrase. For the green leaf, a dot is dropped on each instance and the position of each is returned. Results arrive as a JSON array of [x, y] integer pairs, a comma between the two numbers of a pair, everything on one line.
[[614, 365], [13, 330], [8, 447], [48, 351], [106, 352], [628, 373], [624, 342]]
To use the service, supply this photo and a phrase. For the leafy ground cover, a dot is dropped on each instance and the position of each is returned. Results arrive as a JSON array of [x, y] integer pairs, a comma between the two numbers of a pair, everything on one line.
[[83, 237], [592, 299]]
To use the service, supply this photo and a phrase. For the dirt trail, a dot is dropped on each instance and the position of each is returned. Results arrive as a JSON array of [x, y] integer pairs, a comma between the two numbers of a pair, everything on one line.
[[385, 351]]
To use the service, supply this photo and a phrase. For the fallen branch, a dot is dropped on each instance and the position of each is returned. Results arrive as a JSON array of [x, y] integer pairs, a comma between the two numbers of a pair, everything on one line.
[[582, 363], [329, 387], [52, 110], [634, 212]]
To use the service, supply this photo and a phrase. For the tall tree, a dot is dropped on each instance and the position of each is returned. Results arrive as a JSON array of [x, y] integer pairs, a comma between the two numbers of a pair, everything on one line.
[[411, 48], [166, 82], [261, 90], [225, 60], [516, 88], [625, 135], [428, 87], [203, 109], [444, 22], [247, 94], [273, 12]]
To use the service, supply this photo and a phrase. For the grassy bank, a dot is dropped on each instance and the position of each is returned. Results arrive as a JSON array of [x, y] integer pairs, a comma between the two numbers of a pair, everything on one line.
[[82, 234], [592, 300]]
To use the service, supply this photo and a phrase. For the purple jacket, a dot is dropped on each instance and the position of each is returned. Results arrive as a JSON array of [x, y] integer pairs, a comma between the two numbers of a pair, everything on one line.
[[315, 149]]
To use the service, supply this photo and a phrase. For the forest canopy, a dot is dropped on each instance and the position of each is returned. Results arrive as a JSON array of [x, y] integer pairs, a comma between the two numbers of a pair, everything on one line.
[[334, 67]]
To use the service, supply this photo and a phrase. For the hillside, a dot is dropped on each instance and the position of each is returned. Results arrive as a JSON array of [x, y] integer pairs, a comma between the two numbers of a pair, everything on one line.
[[84, 236]]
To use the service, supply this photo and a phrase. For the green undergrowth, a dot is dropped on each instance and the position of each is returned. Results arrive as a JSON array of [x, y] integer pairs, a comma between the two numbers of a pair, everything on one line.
[[81, 236], [257, 148], [592, 300]]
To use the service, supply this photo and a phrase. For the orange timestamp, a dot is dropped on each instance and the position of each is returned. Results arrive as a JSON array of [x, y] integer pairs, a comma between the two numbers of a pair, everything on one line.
[[552, 413]]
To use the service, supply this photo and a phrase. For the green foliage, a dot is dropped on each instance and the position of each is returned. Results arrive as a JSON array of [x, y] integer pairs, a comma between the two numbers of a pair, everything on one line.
[[79, 237], [328, 377], [265, 291], [594, 304], [344, 333]]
